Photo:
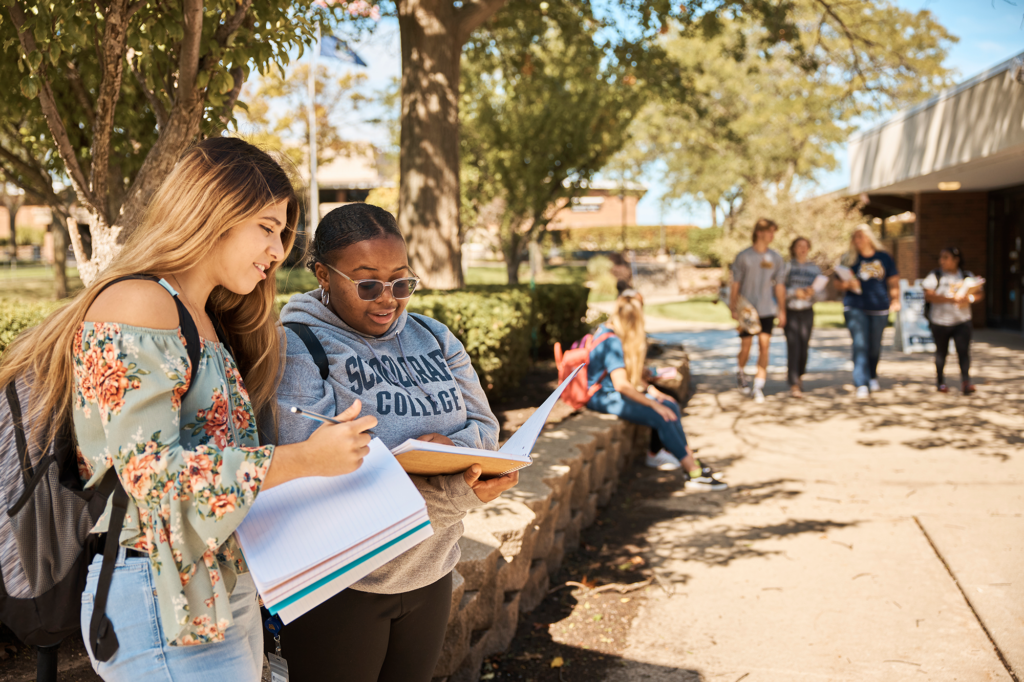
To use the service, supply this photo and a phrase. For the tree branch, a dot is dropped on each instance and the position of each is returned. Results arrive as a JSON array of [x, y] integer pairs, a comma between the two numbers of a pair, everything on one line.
[[53, 119], [472, 16], [159, 110], [188, 59], [115, 36], [232, 98], [80, 94], [233, 23]]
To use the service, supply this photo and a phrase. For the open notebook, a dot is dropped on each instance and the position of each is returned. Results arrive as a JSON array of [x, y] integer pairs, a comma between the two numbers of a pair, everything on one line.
[[308, 539], [433, 459]]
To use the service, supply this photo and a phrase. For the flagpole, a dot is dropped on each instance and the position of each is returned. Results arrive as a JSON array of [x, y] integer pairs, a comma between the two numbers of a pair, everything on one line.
[[314, 189]]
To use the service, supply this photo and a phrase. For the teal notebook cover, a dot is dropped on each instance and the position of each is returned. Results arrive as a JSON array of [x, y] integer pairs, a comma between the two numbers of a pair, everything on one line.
[[344, 569]]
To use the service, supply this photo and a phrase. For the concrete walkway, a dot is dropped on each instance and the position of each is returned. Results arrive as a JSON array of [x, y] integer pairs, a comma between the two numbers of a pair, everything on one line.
[[862, 540]]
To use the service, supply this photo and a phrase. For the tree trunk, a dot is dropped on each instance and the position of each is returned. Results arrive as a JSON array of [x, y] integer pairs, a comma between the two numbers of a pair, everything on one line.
[[512, 268], [714, 214], [428, 196], [60, 257]]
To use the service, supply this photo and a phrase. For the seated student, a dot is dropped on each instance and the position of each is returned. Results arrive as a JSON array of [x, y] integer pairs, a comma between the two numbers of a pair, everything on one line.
[[624, 393], [415, 377]]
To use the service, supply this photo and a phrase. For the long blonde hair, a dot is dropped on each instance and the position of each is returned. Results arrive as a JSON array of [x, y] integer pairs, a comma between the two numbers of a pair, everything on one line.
[[851, 255], [216, 185], [628, 324]]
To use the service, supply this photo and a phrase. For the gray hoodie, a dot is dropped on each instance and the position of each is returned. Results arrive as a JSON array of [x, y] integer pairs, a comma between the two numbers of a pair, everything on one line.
[[415, 381]]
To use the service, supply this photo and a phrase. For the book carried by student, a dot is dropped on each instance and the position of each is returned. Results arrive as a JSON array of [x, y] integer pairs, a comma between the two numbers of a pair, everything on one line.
[[434, 459], [308, 539]]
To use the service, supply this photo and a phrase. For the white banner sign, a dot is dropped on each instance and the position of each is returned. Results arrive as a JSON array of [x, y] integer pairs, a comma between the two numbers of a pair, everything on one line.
[[913, 335]]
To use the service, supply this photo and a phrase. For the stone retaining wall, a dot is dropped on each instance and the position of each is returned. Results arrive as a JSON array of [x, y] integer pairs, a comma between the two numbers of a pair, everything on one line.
[[512, 547]]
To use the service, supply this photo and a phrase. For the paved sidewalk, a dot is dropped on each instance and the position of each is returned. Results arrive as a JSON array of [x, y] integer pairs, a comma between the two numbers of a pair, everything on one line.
[[862, 540]]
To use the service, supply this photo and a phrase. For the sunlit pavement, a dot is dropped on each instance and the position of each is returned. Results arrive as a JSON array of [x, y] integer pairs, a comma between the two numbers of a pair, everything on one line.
[[880, 539]]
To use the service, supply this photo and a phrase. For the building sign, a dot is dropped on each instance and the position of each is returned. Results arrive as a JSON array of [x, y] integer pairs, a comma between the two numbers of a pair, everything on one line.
[[913, 334]]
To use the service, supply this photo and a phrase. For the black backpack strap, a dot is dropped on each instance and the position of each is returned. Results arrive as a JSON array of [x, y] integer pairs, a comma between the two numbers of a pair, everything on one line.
[[312, 345], [102, 639], [19, 433], [188, 326]]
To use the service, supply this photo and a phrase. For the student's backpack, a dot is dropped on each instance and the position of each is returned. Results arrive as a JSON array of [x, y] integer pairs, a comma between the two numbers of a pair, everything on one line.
[[45, 543], [578, 393]]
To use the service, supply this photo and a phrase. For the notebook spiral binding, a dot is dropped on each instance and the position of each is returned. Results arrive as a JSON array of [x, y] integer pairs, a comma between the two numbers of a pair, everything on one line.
[[521, 466]]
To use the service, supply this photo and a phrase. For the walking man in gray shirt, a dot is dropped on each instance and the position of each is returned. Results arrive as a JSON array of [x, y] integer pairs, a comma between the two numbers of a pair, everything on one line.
[[758, 277]]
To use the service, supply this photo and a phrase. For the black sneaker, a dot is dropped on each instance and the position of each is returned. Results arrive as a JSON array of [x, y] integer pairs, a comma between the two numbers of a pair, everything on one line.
[[706, 481]]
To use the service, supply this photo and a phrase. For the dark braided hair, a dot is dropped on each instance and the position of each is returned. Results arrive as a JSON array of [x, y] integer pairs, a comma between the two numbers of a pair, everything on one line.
[[348, 225]]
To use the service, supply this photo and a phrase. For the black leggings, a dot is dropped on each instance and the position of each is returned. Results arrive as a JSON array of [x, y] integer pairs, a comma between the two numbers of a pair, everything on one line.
[[799, 324], [363, 637], [961, 335]]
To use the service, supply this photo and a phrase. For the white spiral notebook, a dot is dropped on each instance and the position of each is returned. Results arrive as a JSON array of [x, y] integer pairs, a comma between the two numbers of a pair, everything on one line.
[[308, 539]]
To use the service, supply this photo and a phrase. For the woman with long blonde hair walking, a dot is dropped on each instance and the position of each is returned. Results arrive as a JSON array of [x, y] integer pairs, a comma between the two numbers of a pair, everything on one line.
[[872, 293], [181, 438], [617, 362]]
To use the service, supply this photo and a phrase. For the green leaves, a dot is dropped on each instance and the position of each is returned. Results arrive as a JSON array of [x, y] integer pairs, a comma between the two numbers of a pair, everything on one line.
[[30, 87]]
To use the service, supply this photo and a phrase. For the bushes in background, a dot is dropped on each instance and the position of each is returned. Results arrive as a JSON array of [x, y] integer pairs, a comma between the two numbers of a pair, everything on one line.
[[645, 238], [16, 317], [494, 327]]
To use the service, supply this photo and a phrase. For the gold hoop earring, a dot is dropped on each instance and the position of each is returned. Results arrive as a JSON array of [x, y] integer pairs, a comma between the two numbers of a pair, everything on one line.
[[325, 297]]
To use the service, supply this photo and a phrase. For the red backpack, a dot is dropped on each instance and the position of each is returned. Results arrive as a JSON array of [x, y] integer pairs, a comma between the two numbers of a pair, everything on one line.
[[577, 393]]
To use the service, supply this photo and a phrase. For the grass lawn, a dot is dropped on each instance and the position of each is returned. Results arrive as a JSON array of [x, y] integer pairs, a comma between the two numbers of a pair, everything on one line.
[[497, 274], [828, 314], [33, 283]]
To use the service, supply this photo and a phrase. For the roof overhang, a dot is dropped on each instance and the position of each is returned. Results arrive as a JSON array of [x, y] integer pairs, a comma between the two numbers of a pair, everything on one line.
[[972, 134]]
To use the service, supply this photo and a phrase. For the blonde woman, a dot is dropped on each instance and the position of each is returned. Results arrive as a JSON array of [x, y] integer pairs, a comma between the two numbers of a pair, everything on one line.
[[618, 362], [114, 362], [871, 294]]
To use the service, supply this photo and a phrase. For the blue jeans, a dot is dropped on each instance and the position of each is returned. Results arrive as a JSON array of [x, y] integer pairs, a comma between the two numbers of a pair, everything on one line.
[[143, 654], [670, 433], [866, 331]]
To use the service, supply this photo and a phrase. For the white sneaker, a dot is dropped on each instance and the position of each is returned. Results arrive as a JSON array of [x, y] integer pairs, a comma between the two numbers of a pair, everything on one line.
[[663, 461], [874, 386], [863, 392], [758, 395]]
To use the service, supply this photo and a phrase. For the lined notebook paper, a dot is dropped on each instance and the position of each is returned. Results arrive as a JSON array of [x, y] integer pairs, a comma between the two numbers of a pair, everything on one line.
[[434, 459], [310, 538]]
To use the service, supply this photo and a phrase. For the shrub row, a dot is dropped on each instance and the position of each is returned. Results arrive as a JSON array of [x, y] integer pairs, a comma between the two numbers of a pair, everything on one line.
[[646, 238], [16, 317]]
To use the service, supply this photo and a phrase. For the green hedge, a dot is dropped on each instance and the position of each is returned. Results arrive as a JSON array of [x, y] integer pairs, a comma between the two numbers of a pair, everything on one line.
[[16, 317], [494, 327], [638, 238]]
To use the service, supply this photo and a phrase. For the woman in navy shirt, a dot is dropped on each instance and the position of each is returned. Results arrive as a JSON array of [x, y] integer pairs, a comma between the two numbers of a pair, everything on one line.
[[618, 363], [870, 296]]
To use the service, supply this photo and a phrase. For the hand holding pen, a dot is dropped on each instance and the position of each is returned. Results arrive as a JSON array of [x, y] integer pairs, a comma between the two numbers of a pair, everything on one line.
[[337, 447]]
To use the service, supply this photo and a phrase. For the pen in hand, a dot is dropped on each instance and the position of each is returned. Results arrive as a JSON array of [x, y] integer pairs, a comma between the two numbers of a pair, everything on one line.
[[320, 418]]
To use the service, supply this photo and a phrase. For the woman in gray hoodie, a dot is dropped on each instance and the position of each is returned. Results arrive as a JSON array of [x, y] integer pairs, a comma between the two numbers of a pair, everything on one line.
[[413, 375]]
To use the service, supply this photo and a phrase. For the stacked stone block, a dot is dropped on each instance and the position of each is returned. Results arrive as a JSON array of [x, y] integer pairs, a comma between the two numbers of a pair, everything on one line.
[[513, 547]]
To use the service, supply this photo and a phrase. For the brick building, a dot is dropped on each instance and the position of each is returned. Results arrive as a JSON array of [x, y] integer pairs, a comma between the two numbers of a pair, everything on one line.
[[950, 172], [605, 204]]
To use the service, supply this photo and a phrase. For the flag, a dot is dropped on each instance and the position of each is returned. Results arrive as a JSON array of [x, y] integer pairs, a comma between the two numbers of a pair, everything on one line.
[[339, 49]]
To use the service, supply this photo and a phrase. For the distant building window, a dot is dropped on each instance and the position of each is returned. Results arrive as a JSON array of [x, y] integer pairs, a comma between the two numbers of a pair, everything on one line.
[[586, 204]]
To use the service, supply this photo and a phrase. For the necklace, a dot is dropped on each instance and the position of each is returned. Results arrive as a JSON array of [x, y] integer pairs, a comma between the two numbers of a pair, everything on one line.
[[192, 309]]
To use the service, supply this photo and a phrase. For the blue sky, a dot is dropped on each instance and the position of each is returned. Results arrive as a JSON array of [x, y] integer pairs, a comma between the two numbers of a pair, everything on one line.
[[990, 32]]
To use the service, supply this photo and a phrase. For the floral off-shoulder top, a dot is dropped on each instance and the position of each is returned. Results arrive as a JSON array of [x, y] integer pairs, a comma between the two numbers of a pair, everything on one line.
[[191, 467]]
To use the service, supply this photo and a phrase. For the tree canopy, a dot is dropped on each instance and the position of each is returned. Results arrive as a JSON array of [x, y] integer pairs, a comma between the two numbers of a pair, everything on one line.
[[764, 114], [109, 95]]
